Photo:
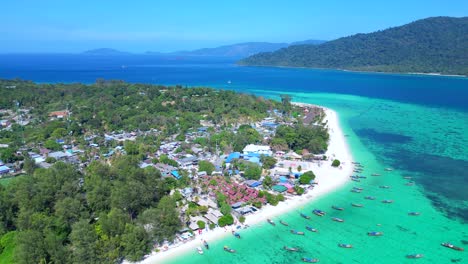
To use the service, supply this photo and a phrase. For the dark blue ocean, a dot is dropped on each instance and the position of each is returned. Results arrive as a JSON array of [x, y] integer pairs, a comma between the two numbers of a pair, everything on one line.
[[450, 92]]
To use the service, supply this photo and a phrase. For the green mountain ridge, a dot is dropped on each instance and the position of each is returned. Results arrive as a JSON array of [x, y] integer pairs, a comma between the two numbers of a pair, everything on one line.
[[431, 45]]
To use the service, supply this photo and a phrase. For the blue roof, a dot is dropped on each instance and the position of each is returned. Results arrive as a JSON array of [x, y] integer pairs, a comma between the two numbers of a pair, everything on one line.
[[234, 155], [176, 174], [4, 168], [283, 179], [257, 155], [253, 159], [255, 184]]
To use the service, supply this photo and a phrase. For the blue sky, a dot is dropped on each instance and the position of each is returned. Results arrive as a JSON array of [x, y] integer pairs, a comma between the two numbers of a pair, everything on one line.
[[141, 25]]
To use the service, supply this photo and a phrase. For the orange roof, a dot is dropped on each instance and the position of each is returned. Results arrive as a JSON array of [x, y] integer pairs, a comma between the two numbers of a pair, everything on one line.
[[58, 113]]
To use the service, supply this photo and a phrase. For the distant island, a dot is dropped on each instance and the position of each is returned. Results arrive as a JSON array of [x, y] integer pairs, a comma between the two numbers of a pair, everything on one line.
[[432, 45], [105, 51], [238, 50]]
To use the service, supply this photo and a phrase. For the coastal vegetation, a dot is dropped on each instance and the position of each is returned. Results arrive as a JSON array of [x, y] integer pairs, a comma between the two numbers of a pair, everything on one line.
[[336, 163], [432, 45]]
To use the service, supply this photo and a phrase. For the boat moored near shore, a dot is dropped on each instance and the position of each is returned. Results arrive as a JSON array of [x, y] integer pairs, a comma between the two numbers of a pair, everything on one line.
[[374, 233], [369, 198], [284, 223], [310, 260], [451, 246], [295, 232], [337, 208], [230, 250], [293, 249], [357, 205], [336, 219], [319, 212], [311, 229], [345, 245], [414, 256], [200, 250], [414, 213], [271, 222], [305, 216]]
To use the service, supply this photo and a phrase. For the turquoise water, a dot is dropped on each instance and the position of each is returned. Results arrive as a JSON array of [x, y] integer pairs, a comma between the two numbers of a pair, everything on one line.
[[379, 132], [415, 124]]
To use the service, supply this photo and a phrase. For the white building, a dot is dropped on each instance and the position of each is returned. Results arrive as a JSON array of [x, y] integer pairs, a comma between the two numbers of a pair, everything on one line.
[[257, 149]]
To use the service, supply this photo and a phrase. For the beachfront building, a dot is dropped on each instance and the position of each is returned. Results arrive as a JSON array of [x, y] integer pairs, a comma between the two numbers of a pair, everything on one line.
[[257, 149]]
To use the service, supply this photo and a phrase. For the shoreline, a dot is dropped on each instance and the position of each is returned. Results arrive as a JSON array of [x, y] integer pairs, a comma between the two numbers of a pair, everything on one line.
[[434, 74], [338, 148]]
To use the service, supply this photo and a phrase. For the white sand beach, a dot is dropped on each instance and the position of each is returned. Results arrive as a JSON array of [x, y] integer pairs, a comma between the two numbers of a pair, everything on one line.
[[327, 177]]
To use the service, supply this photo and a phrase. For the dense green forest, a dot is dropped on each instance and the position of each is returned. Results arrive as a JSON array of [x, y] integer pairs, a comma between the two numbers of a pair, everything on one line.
[[432, 45]]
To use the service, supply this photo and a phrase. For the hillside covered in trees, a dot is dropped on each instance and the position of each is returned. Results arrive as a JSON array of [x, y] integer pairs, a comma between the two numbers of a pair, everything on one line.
[[432, 45]]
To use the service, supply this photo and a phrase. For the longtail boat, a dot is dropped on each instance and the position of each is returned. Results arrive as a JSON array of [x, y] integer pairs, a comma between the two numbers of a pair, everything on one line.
[[230, 250], [387, 201], [295, 232], [271, 222], [319, 212], [414, 213], [374, 233], [357, 205], [414, 256], [310, 260], [311, 229], [337, 208], [451, 246], [200, 250], [206, 244], [284, 223], [345, 245], [237, 235], [369, 198], [294, 249], [305, 216], [336, 219]]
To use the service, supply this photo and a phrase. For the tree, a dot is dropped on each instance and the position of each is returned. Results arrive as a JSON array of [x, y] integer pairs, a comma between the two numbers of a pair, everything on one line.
[[299, 168], [299, 190], [201, 224], [207, 166], [225, 220], [225, 209], [163, 221], [267, 182], [131, 148], [336, 163], [267, 161], [242, 219], [29, 165], [30, 247], [83, 240], [286, 102], [135, 242], [252, 171], [51, 144], [307, 177]]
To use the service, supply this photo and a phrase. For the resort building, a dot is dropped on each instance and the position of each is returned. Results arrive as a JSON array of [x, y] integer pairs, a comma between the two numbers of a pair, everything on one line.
[[257, 149]]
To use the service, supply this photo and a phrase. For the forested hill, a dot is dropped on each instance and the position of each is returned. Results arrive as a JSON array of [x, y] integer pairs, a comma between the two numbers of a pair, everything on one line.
[[432, 45]]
